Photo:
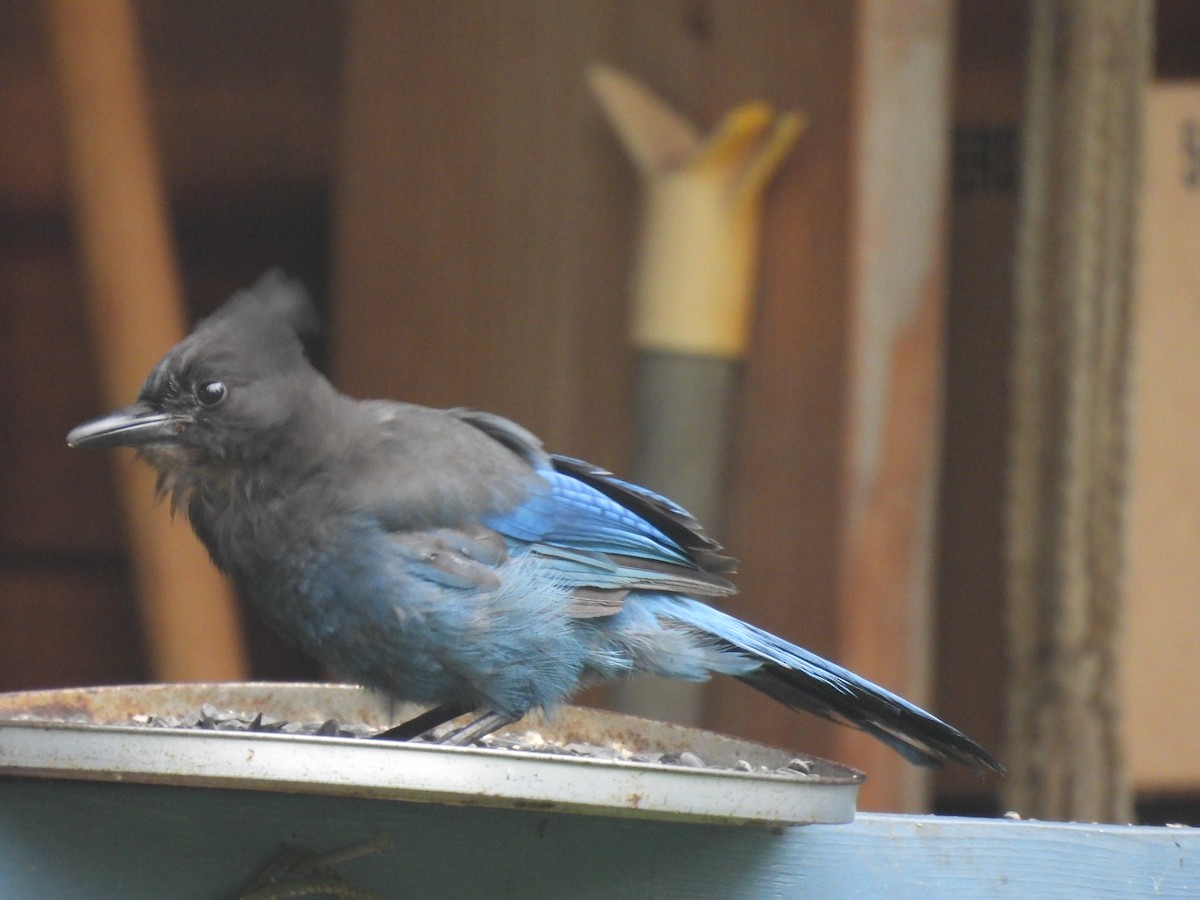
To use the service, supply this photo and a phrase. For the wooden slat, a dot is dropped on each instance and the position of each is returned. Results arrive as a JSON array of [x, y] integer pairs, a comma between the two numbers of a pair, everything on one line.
[[94, 840], [970, 656], [54, 499], [484, 245], [475, 239], [894, 353], [68, 624], [487, 221], [190, 618], [251, 107], [1161, 686], [786, 448], [1089, 65]]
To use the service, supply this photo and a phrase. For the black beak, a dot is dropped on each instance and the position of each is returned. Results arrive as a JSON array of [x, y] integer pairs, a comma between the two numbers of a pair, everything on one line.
[[133, 426]]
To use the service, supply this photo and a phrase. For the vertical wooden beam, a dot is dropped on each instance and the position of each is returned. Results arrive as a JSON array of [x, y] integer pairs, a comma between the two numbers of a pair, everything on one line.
[[1162, 693], [188, 610], [970, 659], [899, 180], [1088, 68]]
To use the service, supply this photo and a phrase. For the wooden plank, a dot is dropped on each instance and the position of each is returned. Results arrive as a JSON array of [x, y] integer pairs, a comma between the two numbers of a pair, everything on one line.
[[55, 500], [101, 841], [485, 236], [136, 314], [1089, 65], [1162, 690], [480, 256], [971, 655], [66, 624], [894, 357], [785, 452], [251, 107]]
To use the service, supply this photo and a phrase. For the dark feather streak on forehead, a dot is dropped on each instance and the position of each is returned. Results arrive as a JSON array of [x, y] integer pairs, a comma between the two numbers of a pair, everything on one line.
[[163, 382], [234, 351], [254, 334]]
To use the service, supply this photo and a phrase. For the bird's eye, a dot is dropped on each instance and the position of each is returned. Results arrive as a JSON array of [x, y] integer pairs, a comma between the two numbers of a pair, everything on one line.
[[210, 393]]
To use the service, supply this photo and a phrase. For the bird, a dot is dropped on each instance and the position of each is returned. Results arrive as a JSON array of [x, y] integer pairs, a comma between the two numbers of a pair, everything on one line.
[[443, 556]]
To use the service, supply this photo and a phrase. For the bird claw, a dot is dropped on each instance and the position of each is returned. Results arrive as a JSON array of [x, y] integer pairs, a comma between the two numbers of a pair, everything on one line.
[[480, 728], [425, 723], [424, 726]]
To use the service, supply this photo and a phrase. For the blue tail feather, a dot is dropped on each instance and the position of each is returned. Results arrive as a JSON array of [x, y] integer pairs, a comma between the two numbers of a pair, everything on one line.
[[802, 679]]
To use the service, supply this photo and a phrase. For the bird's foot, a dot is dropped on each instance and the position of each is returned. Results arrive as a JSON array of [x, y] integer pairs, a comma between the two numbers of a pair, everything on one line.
[[480, 728], [424, 723]]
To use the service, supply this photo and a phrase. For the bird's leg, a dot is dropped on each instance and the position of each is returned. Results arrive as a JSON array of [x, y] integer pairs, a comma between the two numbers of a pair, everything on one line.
[[425, 722], [481, 727]]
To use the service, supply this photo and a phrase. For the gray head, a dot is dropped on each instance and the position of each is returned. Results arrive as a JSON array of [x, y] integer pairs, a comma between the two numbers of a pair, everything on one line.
[[227, 391]]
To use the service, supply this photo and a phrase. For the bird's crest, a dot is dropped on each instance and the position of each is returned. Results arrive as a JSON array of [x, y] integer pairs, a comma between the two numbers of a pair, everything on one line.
[[275, 299]]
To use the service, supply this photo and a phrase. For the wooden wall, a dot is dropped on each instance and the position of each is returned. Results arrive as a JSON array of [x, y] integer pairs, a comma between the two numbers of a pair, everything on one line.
[[486, 240], [460, 287], [989, 100], [531, 269], [970, 575], [485, 232], [244, 101]]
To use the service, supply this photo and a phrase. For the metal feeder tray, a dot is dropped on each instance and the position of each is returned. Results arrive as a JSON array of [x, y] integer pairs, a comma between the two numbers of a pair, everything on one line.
[[87, 734]]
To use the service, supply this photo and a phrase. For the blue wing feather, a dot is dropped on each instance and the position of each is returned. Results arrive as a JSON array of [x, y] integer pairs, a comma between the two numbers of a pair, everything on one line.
[[570, 514]]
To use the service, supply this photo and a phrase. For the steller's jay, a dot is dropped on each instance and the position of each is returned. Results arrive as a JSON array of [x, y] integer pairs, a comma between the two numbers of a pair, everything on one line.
[[442, 556]]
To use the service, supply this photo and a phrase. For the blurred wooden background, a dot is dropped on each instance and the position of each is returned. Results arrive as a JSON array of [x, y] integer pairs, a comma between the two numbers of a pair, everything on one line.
[[477, 267]]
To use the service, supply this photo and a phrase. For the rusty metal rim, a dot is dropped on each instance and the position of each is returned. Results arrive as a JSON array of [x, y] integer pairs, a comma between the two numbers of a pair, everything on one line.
[[468, 776]]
